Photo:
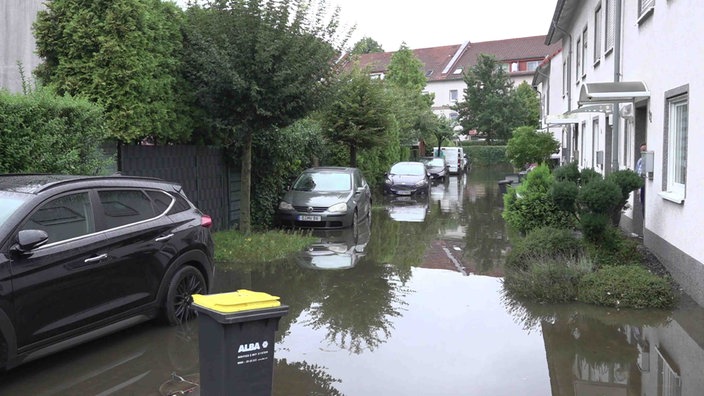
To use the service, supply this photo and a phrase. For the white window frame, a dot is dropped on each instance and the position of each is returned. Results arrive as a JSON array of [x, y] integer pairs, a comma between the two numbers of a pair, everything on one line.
[[597, 34], [676, 136], [609, 26], [578, 60], [454, 95], [584, 52], [645, 9]]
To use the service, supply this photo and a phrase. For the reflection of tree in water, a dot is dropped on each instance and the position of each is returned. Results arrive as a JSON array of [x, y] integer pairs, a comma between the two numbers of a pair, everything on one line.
[[587, 347], [357, 306], [301, 378]]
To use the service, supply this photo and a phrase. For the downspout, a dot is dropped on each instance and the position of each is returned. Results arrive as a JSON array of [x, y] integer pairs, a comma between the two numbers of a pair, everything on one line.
[[617, 77]]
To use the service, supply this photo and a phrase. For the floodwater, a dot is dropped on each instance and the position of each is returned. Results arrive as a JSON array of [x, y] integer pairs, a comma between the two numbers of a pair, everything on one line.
[[413, 306]]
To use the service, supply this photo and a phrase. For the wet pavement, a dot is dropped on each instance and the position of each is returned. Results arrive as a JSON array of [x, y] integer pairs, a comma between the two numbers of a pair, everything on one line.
[[413, 306]]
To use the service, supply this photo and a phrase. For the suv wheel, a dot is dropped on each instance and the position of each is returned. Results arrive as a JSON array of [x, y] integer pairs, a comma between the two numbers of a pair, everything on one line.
[[185, 282]]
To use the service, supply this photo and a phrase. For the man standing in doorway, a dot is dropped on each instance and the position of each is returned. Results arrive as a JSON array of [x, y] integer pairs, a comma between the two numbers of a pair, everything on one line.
[[640, 170]]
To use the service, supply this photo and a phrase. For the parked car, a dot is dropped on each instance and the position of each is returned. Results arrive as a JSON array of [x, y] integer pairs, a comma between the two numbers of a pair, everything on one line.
[[437, 168], [457, 160], [326, 197], [407, 178], [82, 257]]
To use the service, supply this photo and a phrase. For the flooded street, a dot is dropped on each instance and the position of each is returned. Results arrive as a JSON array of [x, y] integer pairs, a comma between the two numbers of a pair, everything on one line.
[[413, 306]]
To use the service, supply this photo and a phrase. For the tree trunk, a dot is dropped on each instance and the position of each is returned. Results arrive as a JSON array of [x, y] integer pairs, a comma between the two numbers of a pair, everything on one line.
[[353, 155], [245, 200]]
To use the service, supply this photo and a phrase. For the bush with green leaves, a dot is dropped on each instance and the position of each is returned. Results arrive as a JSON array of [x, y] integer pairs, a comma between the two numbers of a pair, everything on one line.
[[529, 206], [614, 249], [626, 286], [548, 278], [528, 146], [544, 242], [44, 133]]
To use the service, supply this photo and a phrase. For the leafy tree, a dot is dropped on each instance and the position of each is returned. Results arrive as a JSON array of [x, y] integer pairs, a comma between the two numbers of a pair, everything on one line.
[[360, 115], [366, 45], [489, 104], [528, 106], [256, 65], [413, 108], [442, 130], [121, 54], [528, 146]]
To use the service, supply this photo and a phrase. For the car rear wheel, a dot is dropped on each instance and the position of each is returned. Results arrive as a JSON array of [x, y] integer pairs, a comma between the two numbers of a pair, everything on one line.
[[185, 282]]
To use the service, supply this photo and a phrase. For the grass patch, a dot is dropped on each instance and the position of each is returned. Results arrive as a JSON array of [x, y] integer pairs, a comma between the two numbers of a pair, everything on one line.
[[234, 247], [547, 278]]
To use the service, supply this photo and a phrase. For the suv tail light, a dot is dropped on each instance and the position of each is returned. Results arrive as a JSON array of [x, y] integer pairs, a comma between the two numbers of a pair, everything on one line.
[[206, 221]]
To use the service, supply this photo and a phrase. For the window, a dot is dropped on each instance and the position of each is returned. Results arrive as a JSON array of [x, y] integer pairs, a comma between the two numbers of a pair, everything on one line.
[[645, 9], [532, 65], [457, 71], [609, 26], [122, 207], [597, 34], [584, 51], [514, 66], [676, 129], [565, 79], [578, 63], [63, 218], [453, 95], [504, 66]]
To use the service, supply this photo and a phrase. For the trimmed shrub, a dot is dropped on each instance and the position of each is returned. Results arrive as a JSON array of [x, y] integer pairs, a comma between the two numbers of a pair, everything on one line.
[[45, 133], [614, 249], [589, 175], [529, 206], [626, 286], [569, 172], [564, 194]]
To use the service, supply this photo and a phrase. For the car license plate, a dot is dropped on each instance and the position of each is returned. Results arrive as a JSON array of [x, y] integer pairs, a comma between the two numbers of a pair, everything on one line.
[[404, 193], [309, 218]]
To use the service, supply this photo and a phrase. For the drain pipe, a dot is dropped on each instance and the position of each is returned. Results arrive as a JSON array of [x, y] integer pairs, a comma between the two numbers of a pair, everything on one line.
[[617, 77]]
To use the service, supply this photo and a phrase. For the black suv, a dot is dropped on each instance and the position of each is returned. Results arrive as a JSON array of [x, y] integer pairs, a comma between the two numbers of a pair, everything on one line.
[[82, 257]]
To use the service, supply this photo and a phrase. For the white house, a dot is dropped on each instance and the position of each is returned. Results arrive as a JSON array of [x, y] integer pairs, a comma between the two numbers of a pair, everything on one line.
[[629, 71], [445, 66]]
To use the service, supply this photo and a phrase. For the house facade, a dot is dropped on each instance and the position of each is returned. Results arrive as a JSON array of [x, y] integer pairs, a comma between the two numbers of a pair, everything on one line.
[[17, 44], [624, 78], [445, 66]]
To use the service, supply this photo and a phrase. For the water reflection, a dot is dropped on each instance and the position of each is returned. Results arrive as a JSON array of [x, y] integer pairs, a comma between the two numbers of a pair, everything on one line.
[[409, 209], [417, 310], [336, 249]]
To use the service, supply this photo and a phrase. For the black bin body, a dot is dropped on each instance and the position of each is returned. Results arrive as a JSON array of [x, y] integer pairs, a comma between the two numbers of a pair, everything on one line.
[[237, 351]]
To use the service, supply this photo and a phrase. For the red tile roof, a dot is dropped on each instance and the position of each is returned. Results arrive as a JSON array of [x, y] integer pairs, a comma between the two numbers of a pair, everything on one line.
[[436, 59]]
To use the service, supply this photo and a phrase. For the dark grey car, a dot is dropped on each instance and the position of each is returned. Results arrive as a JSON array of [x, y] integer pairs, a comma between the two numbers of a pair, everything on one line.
[[326, 197]]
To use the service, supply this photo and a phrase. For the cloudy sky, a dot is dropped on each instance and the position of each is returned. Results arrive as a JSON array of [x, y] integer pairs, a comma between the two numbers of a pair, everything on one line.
[[431, 23]]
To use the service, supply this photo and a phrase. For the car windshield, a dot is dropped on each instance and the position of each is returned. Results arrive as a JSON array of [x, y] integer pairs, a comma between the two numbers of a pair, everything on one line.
[[9, 202], [324, 181], [408, 168], [436, 162]]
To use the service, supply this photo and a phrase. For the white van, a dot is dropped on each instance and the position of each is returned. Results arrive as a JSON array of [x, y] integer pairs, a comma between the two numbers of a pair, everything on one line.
[[455, 158]]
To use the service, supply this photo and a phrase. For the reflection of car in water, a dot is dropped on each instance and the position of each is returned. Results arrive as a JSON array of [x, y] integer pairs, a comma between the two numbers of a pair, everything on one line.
[[408, 209], [336, 249]]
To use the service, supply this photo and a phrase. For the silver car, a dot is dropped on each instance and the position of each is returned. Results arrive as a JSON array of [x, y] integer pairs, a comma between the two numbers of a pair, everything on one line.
[[326, 197]]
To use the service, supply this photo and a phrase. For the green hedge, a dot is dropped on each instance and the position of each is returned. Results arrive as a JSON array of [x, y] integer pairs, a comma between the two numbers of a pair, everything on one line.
[[482, 155], [44, 133]]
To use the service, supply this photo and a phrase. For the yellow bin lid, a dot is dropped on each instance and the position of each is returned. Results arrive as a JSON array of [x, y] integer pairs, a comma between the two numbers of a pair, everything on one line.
[[240, 300]]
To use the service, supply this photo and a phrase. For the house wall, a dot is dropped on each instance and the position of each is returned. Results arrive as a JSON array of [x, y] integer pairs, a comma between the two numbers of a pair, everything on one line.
[[441, 89], [17, 42], [654, 51]]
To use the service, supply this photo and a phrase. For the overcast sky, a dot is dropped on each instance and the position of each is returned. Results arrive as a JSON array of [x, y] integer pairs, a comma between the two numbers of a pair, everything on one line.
[[432, 23]]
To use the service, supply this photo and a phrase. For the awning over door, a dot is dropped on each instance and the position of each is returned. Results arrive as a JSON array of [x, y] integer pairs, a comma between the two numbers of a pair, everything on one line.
[[561, 119], [613, 92], [600, 108]]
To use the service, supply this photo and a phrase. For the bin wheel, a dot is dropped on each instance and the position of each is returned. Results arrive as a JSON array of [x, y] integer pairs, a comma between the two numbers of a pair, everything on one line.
[[185, 282]]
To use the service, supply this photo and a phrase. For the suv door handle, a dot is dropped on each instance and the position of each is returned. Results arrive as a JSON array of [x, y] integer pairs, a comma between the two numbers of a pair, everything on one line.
[[96, 258], [164, 238]]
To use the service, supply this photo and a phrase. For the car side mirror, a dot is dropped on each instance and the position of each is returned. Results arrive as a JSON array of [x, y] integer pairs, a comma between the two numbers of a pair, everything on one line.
[[28, 240]]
